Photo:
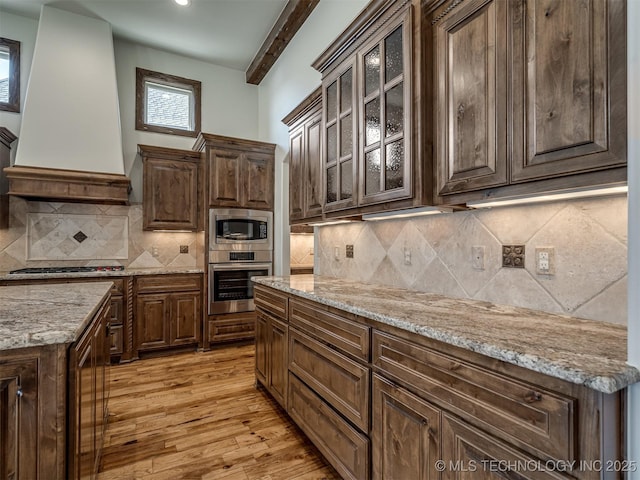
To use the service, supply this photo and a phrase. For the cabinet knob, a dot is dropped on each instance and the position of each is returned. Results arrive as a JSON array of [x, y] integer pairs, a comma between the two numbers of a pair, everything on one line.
[[532, 397], [19, 392]]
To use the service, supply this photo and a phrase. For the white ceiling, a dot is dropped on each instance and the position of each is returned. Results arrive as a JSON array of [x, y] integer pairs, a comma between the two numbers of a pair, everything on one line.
[[223, 32]]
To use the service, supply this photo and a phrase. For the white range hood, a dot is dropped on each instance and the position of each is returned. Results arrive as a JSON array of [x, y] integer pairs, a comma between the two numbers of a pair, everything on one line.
[[70, 145]]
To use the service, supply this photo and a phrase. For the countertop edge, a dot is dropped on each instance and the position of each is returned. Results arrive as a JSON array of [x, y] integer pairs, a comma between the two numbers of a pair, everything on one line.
[[605, 384]]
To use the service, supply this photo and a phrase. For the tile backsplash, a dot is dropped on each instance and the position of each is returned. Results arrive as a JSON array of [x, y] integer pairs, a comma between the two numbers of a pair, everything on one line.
[[434, 254], [77, 234], [301, 249]]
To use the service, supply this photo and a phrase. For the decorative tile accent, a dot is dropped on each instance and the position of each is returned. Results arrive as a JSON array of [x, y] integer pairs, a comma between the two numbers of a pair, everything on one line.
[[58, 236]]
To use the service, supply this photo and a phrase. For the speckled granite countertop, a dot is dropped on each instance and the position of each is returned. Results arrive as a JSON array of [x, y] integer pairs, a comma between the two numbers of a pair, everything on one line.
[[580, 351], [123, 273], [36, 315]]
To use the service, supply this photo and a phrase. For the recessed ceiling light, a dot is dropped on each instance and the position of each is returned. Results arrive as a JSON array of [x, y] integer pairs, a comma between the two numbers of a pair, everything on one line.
[[182, 3]]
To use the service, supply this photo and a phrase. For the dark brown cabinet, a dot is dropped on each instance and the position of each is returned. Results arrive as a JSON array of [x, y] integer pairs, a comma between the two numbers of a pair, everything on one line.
[[168, 311], [171, 189], [18, 418], [407, 443], [241, 172], [231, 327], [272, 336], [305, 162], [374, 155], [6, 139], [530, 97], [88, 395]]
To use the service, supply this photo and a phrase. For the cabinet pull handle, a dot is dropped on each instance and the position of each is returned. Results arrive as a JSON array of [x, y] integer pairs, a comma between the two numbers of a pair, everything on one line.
[[532, 397], [19, 393]]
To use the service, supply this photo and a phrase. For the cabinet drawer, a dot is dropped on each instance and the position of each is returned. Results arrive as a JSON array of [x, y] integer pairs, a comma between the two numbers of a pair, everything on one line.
[[535, 419], [340, 381], [229, 328], [117, 309], [346, 335], [271, 301], [342, 445], [116, 339], [167, 283]]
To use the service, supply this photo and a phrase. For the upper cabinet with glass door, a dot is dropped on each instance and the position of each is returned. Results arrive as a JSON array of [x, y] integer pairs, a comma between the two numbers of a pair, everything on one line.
[[373, 156]]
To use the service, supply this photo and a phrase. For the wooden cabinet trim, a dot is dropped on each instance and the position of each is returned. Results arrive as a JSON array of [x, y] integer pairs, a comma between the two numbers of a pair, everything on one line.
[[270, 300], [168, 283]]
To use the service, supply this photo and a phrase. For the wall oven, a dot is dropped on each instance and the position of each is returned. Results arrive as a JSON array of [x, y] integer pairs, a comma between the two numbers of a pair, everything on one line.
[[240, 247]]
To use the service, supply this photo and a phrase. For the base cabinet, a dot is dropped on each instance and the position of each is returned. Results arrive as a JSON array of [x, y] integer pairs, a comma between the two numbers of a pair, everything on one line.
[[384, 403], [168, 311], [232, 327], [405, 438], [271, 355]]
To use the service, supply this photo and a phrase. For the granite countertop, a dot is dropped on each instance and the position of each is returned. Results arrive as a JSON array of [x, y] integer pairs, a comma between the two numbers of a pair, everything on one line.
[[123, 273], [585, 352], [37, 315]]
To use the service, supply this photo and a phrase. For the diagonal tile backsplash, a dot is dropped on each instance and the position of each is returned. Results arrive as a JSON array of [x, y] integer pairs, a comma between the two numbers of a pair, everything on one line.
[[589, 238]]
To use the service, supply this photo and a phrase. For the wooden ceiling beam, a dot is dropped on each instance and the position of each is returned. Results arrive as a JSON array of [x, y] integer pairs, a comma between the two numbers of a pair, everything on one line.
[[289, 22]]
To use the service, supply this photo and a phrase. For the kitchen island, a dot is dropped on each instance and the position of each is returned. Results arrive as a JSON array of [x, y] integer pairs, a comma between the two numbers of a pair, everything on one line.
[[407, 379], [53, 378]]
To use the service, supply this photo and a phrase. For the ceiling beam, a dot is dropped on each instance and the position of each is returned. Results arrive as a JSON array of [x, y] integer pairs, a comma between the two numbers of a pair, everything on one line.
[[290, 20]]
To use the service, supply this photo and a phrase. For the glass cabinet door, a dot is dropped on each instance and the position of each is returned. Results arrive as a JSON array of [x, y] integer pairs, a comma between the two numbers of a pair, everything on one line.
[[340, 141], [386, 81]]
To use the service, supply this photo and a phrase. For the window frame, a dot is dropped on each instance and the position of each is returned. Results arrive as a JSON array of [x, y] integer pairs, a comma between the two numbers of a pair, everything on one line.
[[13, 105], [142, 77]]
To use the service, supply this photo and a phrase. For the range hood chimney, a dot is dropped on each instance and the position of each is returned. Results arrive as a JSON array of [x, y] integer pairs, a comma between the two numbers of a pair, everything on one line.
[[70, 145]]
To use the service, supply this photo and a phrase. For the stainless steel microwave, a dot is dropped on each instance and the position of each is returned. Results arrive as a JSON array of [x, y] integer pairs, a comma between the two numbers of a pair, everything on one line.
[[238, 229]]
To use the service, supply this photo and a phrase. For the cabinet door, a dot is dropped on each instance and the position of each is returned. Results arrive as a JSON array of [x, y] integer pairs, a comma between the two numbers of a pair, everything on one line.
[[225, 178], [385, 153], [405, 436], [278, 358], [185, 318], [312, 179], [297, 185], [569, 87], [262, 346], [471, 144], [83, 406], [340, 139], [170, 191], [473, 454], [152, 321], [258, 177], [19, 419]]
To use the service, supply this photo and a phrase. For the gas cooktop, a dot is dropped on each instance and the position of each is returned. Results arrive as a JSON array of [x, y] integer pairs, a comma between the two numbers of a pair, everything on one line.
[[106, 268]]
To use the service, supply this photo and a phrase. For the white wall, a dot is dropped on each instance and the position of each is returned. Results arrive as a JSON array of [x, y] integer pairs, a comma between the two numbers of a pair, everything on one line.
[[633, 76], [23, 30], [289, 81], [229, 105]]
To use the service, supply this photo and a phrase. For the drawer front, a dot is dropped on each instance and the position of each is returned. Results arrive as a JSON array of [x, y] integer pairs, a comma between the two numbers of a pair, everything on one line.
[[340, 381], [117, 310], [168, 283], [342, 445], [232, 328], [271, 301], [350, 337], [117, 340], [535, 419]]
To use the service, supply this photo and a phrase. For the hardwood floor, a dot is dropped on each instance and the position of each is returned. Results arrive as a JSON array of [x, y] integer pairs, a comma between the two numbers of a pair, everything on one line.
[[199, 416]]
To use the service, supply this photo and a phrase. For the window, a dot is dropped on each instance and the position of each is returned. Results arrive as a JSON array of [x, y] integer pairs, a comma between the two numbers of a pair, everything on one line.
[[167, 104], [9, 75]]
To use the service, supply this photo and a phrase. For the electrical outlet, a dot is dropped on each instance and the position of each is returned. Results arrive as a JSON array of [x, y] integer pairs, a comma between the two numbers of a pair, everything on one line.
[[336, 252], [310, 250], [513, 256], [154, 251], [477, 257], [348, 251], [407, 256], [184, 248], [545, 261]]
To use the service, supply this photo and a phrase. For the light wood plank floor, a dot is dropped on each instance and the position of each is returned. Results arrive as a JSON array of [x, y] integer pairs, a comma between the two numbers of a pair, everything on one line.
[[199, 416]]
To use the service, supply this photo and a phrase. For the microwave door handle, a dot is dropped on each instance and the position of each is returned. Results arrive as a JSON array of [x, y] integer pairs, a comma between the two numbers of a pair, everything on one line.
[[239, 266]]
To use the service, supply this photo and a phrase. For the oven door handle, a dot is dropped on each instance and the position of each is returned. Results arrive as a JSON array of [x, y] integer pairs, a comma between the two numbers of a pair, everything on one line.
[[238, 266]]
